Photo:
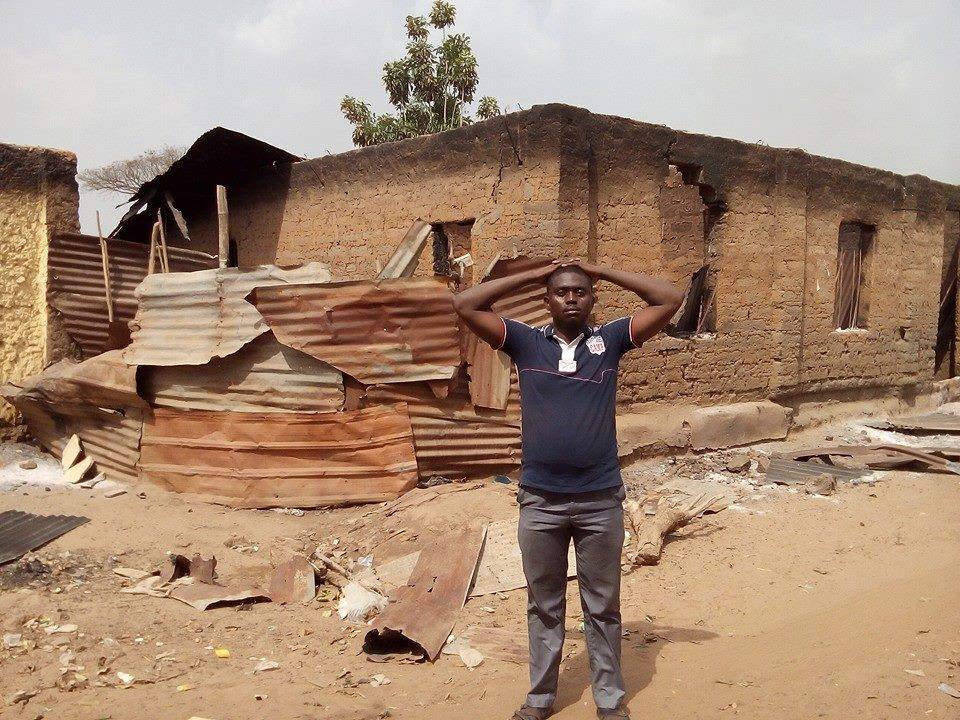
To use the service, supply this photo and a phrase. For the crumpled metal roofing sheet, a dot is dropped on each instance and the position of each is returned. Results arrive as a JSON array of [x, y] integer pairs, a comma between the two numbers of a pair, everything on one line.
[[281, 459], [104, 380], [377, 332], [111, 438], [791, 472], [75, 282], [21, 532], [451, 436], [191, 318], [489, 369], [263, 376]]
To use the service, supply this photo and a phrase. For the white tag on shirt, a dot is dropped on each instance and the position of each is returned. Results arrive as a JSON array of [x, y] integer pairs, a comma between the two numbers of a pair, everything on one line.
[[567, 366]]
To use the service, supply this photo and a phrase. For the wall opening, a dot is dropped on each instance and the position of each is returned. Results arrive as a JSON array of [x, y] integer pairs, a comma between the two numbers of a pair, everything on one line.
[[854, 258], [691, 212], [452, 250], [945, 351]]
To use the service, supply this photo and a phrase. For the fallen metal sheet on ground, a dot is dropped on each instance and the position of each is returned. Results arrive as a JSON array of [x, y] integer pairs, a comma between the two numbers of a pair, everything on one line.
[[75, 283], [377, 332], [263, 376], [203, 596], [500, 568], [452, 437], [191, 318], [792, 472], [489, 369], [111, 438], [931, 423], [104, 380], [293, 581], [425, 609], [21, 532], [853, 456], [257, 460]]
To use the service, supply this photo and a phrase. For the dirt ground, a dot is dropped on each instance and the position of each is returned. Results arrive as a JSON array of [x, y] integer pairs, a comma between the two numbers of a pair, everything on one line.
[[786, 605]]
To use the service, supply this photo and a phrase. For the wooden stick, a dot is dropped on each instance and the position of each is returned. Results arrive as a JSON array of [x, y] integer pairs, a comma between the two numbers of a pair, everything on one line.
[[154, 234], [105, 258], [651, 532], [223, 225], [164, 260]]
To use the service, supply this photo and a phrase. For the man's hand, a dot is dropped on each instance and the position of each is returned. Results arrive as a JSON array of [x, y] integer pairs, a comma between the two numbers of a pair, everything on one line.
[[663, 298], [473, 304]]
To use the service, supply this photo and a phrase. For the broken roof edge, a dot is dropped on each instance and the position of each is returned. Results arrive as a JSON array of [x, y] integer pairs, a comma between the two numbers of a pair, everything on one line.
[[678, 141], [218, 157]]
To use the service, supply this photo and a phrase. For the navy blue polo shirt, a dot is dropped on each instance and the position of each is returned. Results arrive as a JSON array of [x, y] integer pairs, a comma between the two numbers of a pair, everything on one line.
[[569, 418]]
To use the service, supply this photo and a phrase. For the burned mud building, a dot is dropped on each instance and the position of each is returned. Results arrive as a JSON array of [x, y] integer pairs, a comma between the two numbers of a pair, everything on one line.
[[811, 281], [814, 277]]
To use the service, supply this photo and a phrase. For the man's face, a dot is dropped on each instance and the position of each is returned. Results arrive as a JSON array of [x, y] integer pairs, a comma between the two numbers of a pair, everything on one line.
[[569, 298]]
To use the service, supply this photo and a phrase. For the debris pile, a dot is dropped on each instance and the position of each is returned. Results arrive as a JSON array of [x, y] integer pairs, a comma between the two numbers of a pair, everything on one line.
[[269, 386]]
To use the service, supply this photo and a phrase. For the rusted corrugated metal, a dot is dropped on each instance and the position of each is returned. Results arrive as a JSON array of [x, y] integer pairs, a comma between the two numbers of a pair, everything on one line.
[[102, 381], [263, 376], [21, 532], [191, 318], [75, 283], [451, 436], [377, 332], [111, 438], [425, 609], [932, 423], [791, 472], [281, 459], [489, 369]]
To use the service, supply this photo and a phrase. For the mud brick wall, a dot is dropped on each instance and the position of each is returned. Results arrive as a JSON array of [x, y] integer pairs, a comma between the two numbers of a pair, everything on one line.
[[560, 181], [351, 210], [38, 197]]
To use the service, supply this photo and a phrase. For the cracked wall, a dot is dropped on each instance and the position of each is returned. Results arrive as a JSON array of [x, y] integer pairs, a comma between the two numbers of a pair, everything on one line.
[[351, 210], [560, 181], [38, 197]]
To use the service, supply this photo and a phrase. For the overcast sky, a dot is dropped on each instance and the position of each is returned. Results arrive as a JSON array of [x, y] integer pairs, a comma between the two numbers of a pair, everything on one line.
[[871, 82]]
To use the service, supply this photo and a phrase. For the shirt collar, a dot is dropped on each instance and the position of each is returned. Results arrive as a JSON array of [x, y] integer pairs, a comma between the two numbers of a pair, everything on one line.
[[586, 332]]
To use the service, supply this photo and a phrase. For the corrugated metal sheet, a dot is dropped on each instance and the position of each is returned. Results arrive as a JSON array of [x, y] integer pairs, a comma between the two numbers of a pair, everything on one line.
[[451, 436], [191, 318], [21, 532], [932, 423], [377, 332], [281, 459], [489, 369], [111, 438], [426, 608], [75, 283], [263, 376], [791, 472], [101, 381]]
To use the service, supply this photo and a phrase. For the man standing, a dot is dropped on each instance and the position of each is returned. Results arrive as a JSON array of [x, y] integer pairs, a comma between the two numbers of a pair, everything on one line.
[[570, 484]]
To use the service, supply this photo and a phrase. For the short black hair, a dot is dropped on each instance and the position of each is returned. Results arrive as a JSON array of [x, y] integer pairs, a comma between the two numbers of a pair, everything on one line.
[[576, 269]]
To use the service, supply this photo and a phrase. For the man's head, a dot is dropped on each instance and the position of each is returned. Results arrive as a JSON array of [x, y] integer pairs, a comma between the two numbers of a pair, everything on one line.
[[569, 297]]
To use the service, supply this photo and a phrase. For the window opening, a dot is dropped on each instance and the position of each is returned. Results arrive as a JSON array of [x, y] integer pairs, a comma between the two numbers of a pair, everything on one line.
[[945, 365], [692, 211], [452, 250], [854, 253]]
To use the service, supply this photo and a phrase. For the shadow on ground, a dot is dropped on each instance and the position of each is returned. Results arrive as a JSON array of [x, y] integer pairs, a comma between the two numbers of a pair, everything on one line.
[[640, 651]]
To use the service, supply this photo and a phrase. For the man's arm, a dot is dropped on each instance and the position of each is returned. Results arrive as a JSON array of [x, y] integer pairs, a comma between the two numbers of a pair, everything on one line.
[[663, 299], [473, 304]]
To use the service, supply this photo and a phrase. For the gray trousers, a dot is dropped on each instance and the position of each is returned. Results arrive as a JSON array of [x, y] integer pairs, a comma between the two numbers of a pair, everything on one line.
[[594, 521]]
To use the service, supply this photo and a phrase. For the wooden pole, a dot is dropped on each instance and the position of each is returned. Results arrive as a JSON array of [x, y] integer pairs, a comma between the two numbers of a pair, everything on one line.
[[164, 260], [105, 258], [223, 225], [154, 235]]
